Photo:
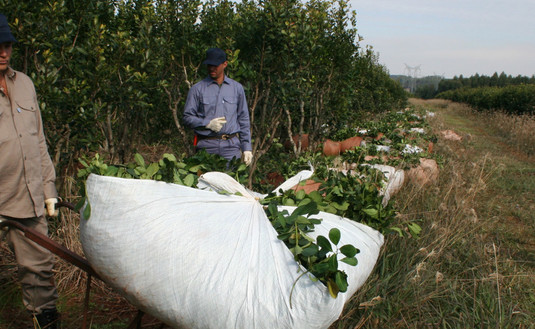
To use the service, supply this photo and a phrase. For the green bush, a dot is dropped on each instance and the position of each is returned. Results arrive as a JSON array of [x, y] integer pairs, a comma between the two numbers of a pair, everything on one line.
[[513, 99]]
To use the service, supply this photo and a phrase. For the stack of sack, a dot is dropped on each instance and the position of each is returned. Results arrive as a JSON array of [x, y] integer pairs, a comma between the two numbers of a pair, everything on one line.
[[199, 258]]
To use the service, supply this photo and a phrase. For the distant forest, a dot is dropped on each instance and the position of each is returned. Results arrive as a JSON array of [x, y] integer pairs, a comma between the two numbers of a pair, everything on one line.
[[430, 86]]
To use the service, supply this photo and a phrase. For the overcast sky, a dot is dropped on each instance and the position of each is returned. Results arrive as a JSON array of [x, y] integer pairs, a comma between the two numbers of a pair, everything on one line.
[[450, 37]]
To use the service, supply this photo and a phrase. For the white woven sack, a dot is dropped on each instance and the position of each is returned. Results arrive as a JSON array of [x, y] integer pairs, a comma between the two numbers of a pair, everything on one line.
[[199, 259], [394, 179]]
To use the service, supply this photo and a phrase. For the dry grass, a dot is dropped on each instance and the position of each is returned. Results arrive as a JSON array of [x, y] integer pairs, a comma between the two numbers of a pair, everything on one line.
[[517, 131], [469, 268]]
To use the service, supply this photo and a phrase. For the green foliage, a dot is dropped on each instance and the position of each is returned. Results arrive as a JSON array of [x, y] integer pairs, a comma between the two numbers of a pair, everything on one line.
[[352, 196], [317, 256], [168, 169], [113, 74], [513, 99], [476, 81]]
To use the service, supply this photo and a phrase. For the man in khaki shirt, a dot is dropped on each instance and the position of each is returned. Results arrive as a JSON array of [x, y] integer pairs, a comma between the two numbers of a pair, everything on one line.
[[27, 184]]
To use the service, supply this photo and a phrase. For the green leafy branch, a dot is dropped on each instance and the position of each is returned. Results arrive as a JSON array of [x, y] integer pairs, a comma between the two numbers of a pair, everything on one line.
[[317, 256], [169, 169]]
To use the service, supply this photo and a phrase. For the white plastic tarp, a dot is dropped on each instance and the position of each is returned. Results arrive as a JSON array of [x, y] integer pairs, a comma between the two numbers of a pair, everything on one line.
[[200, 259]]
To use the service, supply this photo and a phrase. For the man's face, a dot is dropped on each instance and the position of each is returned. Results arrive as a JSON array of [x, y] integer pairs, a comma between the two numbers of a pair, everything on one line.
[[5, 55], [217, 72]]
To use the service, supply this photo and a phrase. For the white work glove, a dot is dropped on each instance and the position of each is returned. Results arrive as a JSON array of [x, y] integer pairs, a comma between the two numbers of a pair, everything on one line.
[[216, 124], [247, 157], [51, 207]]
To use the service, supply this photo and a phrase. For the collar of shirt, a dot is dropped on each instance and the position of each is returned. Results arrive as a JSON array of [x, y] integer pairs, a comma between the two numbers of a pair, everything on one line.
[[10, 73], [209, 80]]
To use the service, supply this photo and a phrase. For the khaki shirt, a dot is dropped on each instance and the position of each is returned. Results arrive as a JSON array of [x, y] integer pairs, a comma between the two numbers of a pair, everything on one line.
[[27, 175]]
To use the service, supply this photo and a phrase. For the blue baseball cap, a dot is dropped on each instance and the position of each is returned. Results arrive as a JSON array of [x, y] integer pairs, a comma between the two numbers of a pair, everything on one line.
[[215, 56], [5, 31]]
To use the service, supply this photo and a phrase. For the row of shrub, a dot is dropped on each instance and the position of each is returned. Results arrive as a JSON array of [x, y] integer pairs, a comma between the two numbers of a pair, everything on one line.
[[113, 75], [514, 99]]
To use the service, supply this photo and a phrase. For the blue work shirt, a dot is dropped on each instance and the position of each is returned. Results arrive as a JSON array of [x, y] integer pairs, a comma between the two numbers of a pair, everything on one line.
[[207, 100]]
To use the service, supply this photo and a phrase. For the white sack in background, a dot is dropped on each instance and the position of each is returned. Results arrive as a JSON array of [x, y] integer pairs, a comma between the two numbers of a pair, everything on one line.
[[293, 181], [198, 259], [392, 182], [394, 179], [411, 149]]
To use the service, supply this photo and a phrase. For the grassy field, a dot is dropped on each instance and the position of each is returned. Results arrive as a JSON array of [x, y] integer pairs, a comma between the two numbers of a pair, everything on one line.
[[474, 264], [472, 267]]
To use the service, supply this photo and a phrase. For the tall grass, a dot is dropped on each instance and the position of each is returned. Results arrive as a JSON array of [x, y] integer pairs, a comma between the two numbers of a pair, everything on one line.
[[517, 130], [458, 273]]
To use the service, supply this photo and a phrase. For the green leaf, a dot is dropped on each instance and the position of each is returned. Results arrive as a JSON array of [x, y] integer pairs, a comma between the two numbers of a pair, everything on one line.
[[398, 230], [300, 194], [80, 204], [284, 236], [333, 262], [373, 213], [351, 261], [195, 169], [152, 169], [310, 251], [282, 219], [315, 196], [415, 229], [341, 281], [87, 212], [304, 201], [343, 207], [189, 180], [296, 250], [83, 163], [349, 250], [302, 220], [334, 235], [323, 243], [170, 157], [138, 158], [288, 202], [310, 208], [321, 268]]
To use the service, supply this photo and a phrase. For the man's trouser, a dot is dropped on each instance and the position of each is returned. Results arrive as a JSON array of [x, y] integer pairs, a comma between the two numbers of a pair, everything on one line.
[[227, 148], [35, 265]]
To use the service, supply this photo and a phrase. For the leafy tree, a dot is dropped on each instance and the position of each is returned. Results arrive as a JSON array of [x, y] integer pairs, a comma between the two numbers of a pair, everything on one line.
[[113, 74]]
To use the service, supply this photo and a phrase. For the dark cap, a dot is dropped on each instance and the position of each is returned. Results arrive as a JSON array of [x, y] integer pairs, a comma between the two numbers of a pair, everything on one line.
[[215, 56], [5, 32]]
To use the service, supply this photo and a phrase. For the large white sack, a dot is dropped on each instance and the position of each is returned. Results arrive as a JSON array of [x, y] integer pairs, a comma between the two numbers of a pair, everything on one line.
[[199, 259]]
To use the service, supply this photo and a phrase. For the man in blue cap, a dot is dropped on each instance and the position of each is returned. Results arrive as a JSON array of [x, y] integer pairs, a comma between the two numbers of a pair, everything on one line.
[[216, 109], [27, 182]]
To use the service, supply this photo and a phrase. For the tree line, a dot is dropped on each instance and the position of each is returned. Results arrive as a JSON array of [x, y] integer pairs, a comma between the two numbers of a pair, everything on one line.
[[113, 74], [477, 81], [430, 87]]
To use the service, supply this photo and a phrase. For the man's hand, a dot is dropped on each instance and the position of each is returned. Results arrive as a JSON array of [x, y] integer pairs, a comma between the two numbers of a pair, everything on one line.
[[247, 157], [216, 124], [51, 207]]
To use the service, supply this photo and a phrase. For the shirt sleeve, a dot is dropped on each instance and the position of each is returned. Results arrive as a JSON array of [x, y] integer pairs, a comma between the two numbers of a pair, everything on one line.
[[243, 121], [48, 171], [191, 117]]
